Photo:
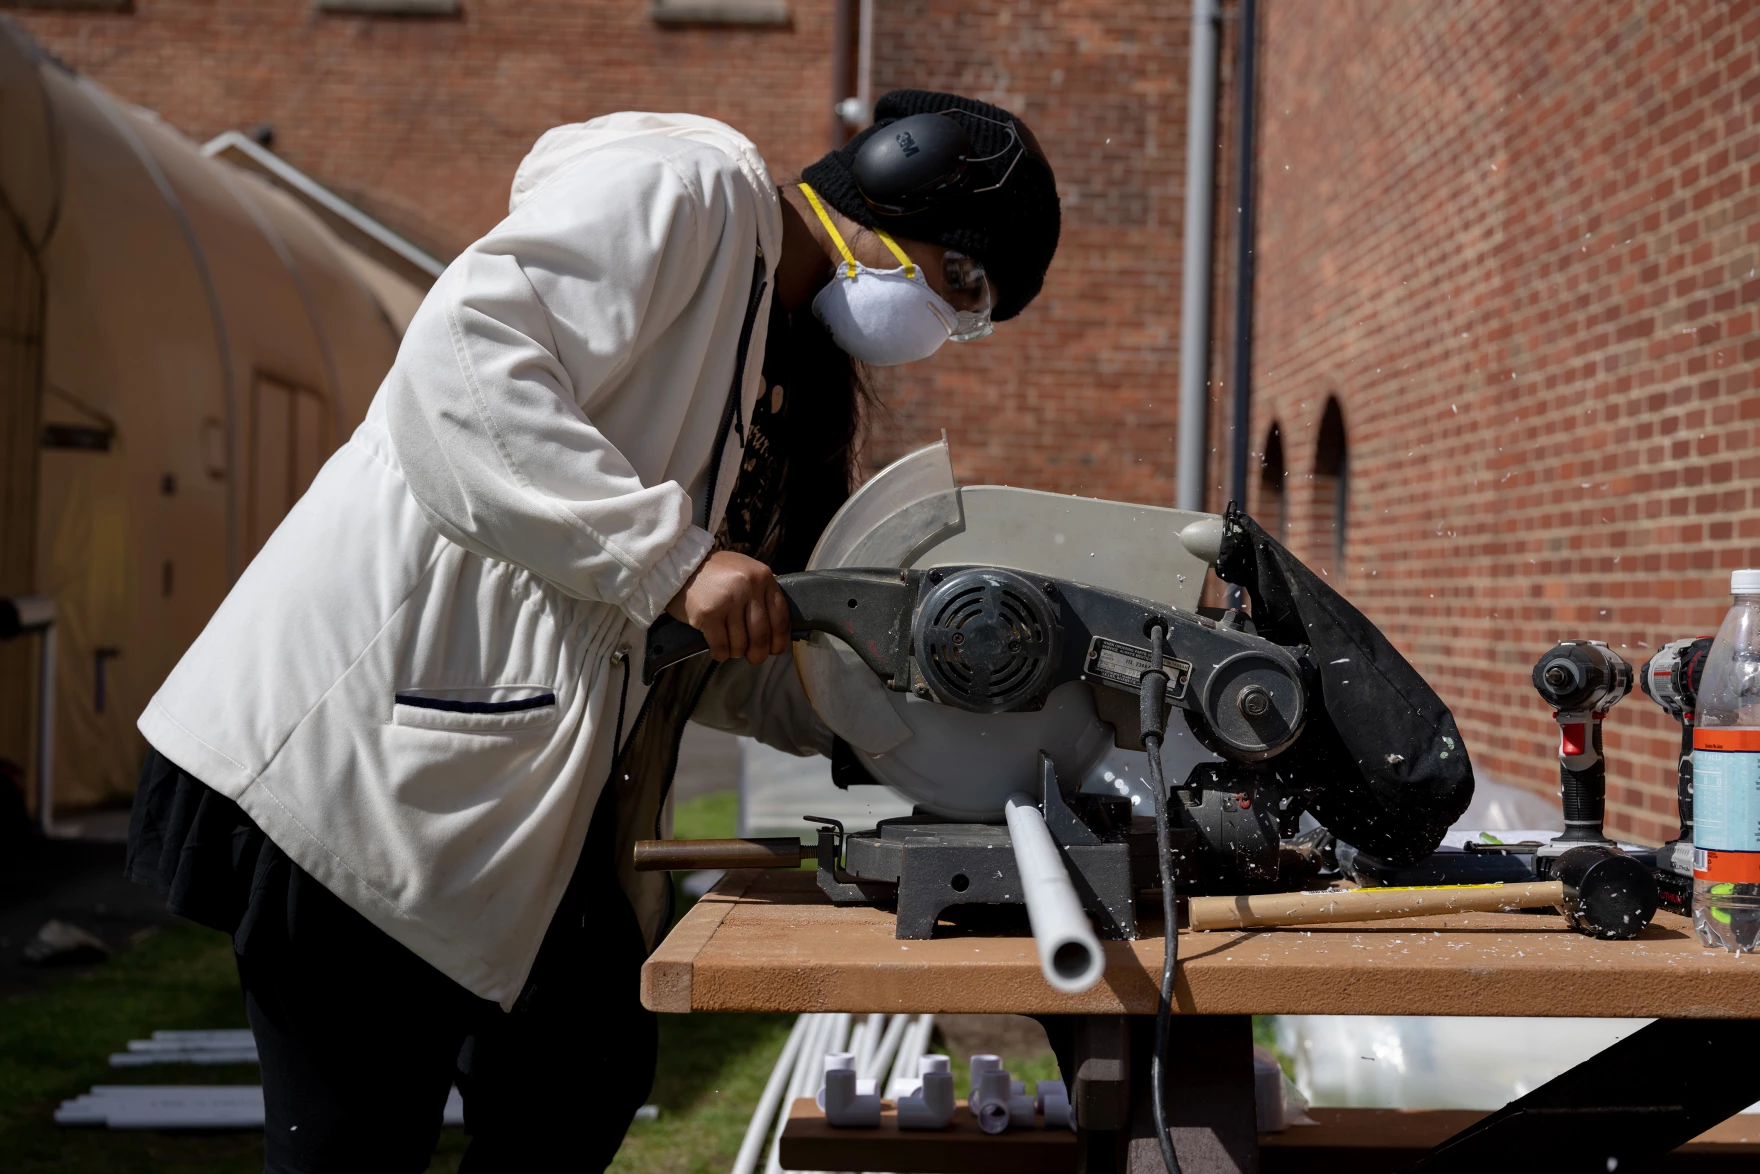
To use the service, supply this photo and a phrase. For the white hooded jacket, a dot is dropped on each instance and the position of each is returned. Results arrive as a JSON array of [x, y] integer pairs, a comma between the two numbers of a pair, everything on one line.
[[412, 688]]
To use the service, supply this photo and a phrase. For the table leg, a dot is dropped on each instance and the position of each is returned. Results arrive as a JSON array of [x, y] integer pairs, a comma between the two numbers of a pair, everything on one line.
[[1211, 1109], [1624, 1107]]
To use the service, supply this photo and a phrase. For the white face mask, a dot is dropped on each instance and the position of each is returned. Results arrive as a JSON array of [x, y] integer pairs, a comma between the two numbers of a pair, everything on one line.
[[884, 317]]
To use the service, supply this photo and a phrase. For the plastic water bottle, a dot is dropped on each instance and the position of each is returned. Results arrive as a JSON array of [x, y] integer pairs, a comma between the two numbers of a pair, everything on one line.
[[1726, 779]]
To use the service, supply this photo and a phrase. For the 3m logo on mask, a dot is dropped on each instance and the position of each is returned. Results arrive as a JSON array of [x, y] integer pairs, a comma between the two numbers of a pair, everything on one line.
[[907, 144]]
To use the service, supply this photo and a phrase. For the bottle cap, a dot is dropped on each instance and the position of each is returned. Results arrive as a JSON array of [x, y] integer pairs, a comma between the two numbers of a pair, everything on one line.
[[1744, 582]]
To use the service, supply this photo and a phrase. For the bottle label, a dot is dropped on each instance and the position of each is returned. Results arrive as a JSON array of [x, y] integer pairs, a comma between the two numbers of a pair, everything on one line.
[[1726, 803], [1742, 868]]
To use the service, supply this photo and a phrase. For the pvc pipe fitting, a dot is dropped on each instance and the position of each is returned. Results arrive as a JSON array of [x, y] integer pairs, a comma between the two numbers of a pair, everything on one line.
[[845, 1108], [834, 1062], [1052, 1097], [932, 1106], [989, 1103], [1020, 1111]]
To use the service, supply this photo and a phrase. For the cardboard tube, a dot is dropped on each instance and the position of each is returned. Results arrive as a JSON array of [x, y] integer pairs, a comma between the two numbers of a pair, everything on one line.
[[692, 855], [1273, 909]]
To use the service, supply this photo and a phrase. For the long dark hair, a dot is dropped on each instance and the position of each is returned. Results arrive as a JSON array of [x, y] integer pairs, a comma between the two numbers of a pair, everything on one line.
[[801, 459]]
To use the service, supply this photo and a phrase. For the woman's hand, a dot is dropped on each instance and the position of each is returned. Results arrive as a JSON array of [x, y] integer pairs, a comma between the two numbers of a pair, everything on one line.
[[734, 602]]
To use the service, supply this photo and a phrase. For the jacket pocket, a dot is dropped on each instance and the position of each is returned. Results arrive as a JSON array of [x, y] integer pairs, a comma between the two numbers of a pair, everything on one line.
[[485, 709]]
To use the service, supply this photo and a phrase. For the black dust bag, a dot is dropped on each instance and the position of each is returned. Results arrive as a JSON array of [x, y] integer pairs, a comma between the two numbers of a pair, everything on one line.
[[1388, 767]]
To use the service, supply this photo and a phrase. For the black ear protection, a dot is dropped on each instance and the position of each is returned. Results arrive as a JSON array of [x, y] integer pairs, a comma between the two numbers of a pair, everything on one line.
[[915, 163]]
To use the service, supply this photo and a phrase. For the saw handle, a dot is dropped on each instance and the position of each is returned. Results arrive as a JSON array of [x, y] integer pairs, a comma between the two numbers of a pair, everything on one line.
[[869, 610], [670, 641]]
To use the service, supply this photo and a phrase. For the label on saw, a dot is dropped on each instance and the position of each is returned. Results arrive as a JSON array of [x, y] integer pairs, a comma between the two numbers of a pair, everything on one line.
[[1122, 666]]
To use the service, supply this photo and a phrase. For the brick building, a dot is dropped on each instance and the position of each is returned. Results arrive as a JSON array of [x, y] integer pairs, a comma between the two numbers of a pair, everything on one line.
[[1510, 251], [419, 110], [1507, 268]]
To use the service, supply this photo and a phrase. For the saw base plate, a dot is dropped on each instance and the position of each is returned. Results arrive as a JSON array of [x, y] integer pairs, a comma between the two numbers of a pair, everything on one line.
[[938, 865]]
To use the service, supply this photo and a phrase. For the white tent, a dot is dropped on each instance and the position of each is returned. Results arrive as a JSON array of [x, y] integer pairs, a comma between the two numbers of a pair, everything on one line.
[[183, 341]]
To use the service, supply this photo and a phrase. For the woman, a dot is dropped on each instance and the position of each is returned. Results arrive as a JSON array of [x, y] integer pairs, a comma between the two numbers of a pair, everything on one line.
[[404, 763]]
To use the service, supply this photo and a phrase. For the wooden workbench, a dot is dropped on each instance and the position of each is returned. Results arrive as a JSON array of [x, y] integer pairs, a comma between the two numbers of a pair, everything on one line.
[[769, 941]]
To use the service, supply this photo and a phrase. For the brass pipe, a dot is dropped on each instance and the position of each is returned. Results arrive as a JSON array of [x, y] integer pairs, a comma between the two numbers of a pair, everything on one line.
[[692, 855]]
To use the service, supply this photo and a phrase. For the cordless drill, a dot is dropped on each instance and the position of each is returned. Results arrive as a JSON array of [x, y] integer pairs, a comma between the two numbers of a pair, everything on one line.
[[1581, 680], [1671, 679]]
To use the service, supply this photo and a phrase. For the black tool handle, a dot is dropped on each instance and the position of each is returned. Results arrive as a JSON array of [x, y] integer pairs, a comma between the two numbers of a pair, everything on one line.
[[1585, 791], [670, 641], [868, 610]]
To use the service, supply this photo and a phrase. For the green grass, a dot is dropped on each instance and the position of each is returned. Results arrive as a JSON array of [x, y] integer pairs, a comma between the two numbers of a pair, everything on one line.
[[55, 1043], [707, 817], [712, 1071], [1265, 1035]]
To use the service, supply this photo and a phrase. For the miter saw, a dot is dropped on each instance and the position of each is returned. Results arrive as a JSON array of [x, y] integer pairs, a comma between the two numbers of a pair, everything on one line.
[[984, 649]]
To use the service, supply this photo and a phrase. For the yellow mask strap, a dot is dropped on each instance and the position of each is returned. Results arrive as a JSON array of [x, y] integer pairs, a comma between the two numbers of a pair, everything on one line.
[[849, 258], [910, 269]]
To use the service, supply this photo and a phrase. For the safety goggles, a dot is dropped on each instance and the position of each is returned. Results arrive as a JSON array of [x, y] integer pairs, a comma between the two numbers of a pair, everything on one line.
[[971, 295]]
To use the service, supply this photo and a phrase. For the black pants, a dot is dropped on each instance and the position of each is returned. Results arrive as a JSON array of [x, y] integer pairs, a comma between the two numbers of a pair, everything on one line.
[[361, 1041]]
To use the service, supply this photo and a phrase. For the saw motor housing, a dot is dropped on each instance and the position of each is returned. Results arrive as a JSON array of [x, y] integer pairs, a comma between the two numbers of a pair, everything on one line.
[[991, 640]]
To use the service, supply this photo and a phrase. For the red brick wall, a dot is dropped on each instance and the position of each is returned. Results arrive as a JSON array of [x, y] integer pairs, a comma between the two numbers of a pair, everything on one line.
[[1078, 394], [1519, 243], [423, 120]]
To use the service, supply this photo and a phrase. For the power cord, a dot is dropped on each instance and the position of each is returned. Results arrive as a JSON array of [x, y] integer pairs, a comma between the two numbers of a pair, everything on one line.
[[1151, 718]]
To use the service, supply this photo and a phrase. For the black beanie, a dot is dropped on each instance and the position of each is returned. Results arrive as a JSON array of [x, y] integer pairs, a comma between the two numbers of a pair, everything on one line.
[[1012, 231]]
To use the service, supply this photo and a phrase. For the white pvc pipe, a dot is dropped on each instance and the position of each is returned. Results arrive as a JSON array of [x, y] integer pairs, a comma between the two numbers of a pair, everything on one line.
[[802, 1082], [871, 1031], [1069, 951], [839, 1036], [879, 1064], [46, 732], [1194, 340], [910, 1051], [765, 1114]]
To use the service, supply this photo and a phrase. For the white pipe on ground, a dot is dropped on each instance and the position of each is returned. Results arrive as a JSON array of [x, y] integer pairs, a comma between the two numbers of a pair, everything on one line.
[[1194, 335], [879, 1064], [765, 1114], [1069, 951], [904, 1077], [802, 1082]]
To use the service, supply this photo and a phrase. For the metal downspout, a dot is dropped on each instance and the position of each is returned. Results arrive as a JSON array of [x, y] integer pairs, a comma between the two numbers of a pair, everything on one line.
[[1194, 344], [1245, 147], [1246, 152]]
